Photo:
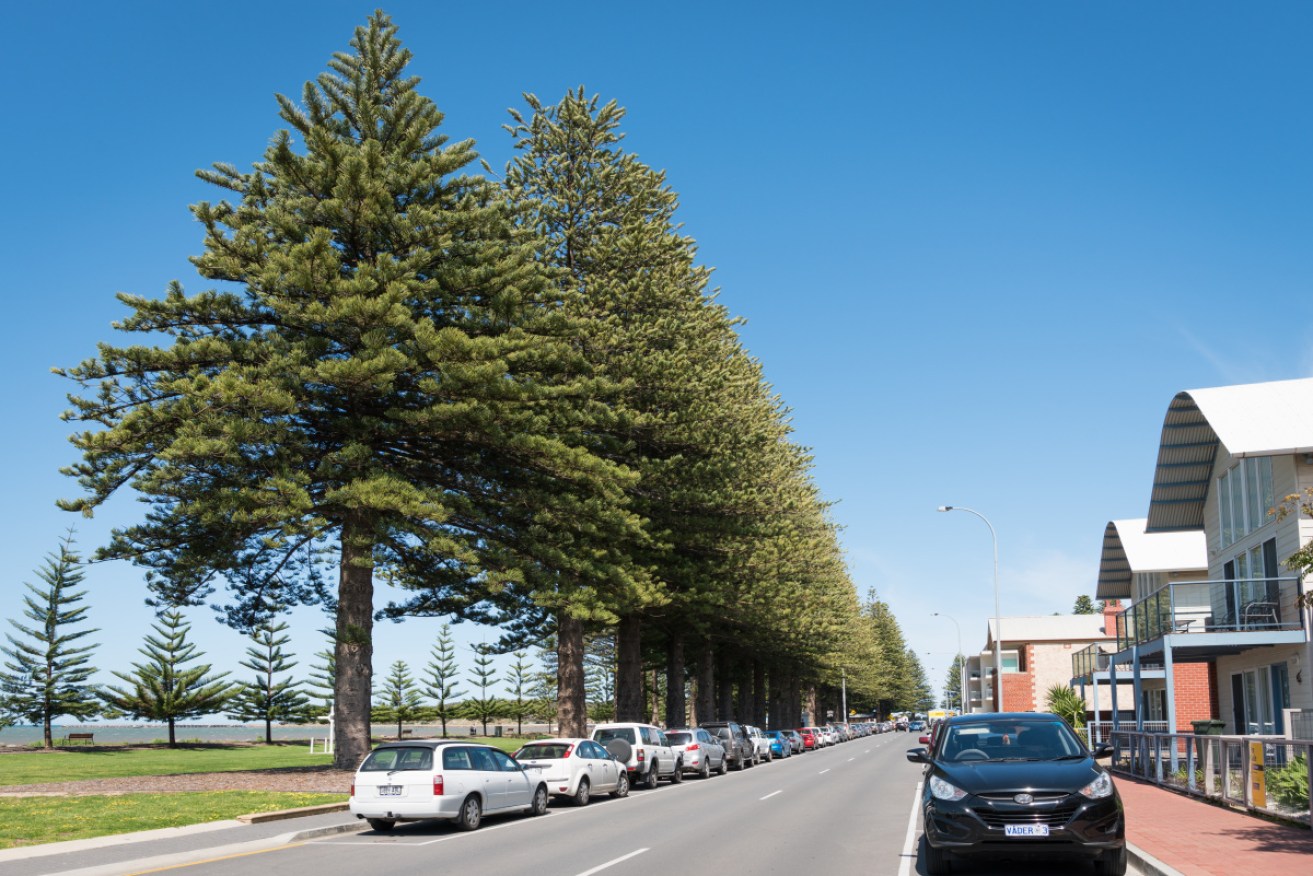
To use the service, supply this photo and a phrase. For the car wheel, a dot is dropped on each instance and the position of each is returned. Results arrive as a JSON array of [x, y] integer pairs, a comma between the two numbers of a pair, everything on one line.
[[724, 765], [539, 804], [705, 772], [580, 797], [653, 774], [621, 786], [1111, 863], [381, 823], [471, 813], [936, 860], [678, 775]]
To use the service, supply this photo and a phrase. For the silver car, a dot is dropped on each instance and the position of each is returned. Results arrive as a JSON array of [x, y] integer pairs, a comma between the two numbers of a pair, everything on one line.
[[701, 751]]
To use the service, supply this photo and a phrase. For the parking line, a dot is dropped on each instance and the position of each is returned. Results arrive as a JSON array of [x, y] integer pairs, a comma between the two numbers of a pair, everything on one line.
[[600, 867], [823, 772], [851, 759], [909, 844], [771, 794]]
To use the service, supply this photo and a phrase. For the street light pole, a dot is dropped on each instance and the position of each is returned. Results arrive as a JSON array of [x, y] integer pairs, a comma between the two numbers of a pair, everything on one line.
[[998, 619], [961, 664]]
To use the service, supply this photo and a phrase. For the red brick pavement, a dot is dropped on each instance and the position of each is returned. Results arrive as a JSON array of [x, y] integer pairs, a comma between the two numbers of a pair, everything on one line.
[[1200, 839]]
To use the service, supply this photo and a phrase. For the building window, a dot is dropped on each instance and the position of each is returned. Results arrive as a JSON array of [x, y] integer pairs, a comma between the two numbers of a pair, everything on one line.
[[1011, 661], [1244, 498]]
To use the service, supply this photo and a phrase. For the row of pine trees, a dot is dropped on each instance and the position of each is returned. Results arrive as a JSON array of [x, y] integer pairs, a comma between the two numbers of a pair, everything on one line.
[[512, 398]]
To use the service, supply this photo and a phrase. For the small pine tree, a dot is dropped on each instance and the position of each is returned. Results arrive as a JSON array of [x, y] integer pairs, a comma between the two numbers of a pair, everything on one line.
[[485, 706], [266, 698], [442, 680], [163, 689], [1084, 605], [519, 679], [399, 699], [46, 675], [323, 679]]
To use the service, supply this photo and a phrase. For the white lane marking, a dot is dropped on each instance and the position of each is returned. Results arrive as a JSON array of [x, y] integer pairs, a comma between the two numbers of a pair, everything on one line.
[[600, 867], [851, 759], [823, 772], [909, 844], [771, 794]]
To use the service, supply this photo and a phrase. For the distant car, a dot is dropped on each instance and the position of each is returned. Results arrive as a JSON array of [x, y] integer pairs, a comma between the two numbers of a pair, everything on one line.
[[643, 749], [795, 741], [442, 778], [1019, 785], [760, 744], [915, 726], [700, 752], [575, 768], [809, 740], [738, 747], [779, 744]]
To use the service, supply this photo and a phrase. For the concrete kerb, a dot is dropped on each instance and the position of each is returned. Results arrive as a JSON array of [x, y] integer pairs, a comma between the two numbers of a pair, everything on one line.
[[1147, 865]]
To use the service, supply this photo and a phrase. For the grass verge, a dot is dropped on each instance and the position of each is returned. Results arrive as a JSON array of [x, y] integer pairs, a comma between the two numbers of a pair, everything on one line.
[[29, 821], [72, 765]]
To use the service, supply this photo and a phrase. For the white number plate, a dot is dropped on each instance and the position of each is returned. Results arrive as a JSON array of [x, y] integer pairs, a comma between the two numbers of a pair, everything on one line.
[[1026, 829], [389, 790]]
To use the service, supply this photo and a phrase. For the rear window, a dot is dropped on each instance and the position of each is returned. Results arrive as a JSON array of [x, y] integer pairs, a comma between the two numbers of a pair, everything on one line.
[[388, 759], [551, 750], [679, 738], [606, 734]]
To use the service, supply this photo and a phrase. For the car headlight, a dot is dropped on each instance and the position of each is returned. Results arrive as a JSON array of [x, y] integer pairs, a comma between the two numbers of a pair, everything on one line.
[[942, 790], [1099, 788]]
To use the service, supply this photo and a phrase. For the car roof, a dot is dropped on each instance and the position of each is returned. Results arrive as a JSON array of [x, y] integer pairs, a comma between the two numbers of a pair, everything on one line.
[[1003, 716], [429, 743], [558, 740]]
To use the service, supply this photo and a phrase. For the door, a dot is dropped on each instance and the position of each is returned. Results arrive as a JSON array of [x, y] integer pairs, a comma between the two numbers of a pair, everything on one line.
[[517, 785], [490, 776]]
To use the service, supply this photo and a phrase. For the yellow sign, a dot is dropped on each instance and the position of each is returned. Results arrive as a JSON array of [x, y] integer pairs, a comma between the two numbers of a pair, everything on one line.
[[1257, 776]]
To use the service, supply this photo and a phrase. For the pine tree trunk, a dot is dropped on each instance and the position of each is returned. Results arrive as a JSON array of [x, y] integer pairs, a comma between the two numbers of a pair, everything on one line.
[[268, 732], [724, 686], [355, 645], [746, 710], [706, 693], [46, 735], [676, 708], [758, 693], [571, 708], [629, 669], [173, 736]]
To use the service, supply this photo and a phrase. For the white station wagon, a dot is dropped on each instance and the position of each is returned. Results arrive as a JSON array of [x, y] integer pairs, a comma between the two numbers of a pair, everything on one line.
[[442, 778]]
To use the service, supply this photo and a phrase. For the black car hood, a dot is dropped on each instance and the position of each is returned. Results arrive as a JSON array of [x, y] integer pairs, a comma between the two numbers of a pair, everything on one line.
[[977, 777]]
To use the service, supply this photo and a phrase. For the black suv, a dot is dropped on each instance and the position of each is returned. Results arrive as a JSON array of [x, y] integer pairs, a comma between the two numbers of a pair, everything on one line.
[[739, 749]]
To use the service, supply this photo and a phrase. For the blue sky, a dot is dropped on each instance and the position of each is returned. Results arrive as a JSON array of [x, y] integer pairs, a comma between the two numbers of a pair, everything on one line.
[[979, 246]]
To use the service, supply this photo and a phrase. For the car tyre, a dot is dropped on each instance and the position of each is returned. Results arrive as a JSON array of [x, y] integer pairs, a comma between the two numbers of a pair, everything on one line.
[[678, 775], [724, 765], [580, 797], [1111, 863], [621, 786], [381, 823], [471, 814], [936, 860], [539, 804], [705, 772], [653, 775]]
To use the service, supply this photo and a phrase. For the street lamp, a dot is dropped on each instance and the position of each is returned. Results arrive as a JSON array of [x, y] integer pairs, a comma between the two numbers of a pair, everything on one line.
[[998, 620], [961, 666]]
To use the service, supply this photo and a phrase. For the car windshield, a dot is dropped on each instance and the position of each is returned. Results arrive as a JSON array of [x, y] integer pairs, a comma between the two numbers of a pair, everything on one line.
[[1009, 740], [606, 734], [544, 751], [388, 759]]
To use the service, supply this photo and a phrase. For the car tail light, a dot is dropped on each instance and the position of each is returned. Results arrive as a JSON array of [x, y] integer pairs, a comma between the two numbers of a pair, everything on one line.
[[642, 755], [692, 746], [568, 749], [437, 786], [353, 789]]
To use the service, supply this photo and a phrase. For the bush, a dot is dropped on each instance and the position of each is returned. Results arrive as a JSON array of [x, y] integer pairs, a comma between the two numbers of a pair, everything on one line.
[[1289, 784]]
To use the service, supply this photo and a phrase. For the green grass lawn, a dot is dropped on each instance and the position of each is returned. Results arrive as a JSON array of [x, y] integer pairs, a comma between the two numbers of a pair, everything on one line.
[[28, 821]]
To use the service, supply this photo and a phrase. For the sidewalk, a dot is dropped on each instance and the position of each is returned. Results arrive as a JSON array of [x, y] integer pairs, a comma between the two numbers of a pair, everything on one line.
[[1199, 839]]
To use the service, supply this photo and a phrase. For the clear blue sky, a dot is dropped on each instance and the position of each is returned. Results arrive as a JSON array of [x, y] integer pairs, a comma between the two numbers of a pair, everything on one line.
[[979, 246]]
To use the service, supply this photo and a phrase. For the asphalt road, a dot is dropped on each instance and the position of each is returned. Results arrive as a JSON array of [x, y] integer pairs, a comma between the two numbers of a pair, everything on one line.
[[843, 810]]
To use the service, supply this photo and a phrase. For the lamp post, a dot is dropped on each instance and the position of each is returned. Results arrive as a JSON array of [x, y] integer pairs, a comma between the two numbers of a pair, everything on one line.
[[998, 620], [961, 664]]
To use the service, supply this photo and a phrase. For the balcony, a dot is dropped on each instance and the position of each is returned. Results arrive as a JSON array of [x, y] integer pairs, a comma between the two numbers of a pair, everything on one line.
[[1093, 661], [1215, 616]]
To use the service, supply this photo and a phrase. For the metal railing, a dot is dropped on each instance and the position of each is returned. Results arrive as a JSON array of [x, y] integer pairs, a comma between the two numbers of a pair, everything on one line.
[[1267, 774], [1189, 607]]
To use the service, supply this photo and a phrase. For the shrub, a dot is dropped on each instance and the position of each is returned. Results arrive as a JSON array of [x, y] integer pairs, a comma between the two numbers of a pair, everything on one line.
[[1289, 784]]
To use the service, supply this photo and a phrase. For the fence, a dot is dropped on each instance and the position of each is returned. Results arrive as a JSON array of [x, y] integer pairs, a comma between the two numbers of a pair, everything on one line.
[[1266, 774]]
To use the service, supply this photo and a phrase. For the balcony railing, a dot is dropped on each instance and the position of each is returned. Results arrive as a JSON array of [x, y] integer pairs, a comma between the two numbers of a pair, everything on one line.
[[1191, 607], [1087, 661]]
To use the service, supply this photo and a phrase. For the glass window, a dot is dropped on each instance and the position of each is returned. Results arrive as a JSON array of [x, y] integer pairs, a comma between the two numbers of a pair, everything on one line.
[[1224, 507], [1253, 500], [481, 758], [606, 734], [550, 750], [1266, 494], [650, 736], [1011, 662], [456, 759], [1237, 504], [387, 759], [679, 738], [505, 763]]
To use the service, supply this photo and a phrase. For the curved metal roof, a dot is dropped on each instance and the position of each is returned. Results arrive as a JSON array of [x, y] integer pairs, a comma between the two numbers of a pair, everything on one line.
[[1255, 419], [1128, 548]]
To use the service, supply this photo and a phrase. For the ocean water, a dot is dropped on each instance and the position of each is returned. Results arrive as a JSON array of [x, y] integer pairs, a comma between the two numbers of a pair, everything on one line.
[[136, 734]]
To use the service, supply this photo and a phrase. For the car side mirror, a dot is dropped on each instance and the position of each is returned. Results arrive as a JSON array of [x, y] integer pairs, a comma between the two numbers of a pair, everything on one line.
[[1103, 749], [918, 755]]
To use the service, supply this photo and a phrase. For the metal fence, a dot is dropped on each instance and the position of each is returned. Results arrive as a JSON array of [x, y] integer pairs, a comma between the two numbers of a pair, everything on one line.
[[1266, 774]]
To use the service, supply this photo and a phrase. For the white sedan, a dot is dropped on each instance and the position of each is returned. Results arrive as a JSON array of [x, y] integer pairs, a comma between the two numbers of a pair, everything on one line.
[[574, 768]]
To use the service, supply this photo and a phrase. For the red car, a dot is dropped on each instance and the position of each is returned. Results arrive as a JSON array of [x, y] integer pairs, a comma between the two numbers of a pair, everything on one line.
[[808, 738]]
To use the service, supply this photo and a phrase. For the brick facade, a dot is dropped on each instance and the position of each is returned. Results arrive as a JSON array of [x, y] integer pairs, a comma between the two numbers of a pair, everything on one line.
[[1196, 693]]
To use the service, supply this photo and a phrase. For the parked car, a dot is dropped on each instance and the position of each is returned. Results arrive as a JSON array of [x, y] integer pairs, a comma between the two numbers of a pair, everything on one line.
[[809, 740], [1020, 785], [779, 744], [575, 768], [915, 726], [442, 778], [643, 749], [795, 741], [701, 752], [738, 747], [760, 744]]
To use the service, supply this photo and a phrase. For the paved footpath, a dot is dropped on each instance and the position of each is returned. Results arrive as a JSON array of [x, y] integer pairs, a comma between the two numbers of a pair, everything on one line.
[[1199, 839]]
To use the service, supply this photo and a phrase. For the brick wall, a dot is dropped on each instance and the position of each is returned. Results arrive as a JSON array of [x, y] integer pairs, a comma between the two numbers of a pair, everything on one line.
[[1196, 693]]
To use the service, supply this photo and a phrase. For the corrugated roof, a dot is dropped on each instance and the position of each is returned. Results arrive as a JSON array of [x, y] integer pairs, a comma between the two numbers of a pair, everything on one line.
[[1253, 419], [1050, 628], [1128, 548]]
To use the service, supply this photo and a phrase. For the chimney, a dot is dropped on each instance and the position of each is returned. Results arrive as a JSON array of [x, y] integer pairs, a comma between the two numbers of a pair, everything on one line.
[[1111, 608]]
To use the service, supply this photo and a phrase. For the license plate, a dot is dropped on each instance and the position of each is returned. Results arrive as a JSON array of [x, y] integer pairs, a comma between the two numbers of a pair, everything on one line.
[[1026, 829], [389, 790]]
